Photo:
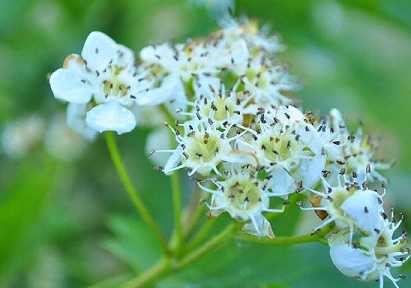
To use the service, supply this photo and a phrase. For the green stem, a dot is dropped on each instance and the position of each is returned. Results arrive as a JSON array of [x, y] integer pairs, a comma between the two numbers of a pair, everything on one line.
[[176, 192], [291, 240], [193, 213], [162, 268], [210, 245], [202, 233], [131, 190], [166, 266], [178, 236]]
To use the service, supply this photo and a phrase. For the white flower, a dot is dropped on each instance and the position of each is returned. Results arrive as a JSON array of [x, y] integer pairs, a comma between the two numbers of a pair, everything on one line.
[[104, 79], [370, 260], [349, 207], [218, 105], [360, 162], [245, 198], [349, 154], [201, 148], [257, 39], [267, 82], [333, 136], [284, 139], [174, 66], [22, 135]]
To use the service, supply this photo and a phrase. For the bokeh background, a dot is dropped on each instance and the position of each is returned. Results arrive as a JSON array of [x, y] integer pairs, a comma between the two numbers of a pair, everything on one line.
[[65, 220]]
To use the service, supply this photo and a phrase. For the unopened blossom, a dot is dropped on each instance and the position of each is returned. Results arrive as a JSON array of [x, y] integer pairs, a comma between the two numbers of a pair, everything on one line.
[[102, 79], [348, 206]]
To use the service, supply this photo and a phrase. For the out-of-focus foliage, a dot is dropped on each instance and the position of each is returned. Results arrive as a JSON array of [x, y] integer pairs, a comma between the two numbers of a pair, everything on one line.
[[69, 224]]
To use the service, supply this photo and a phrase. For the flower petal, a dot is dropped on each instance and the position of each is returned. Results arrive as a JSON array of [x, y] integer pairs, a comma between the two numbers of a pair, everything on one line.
[[239, 55], [111, 116], [281, 183], [171, 89], [157, 140], [364, 208], [350, 261], [76, 120], [70, 86], [309, 170], [99, 50], [159, 54], [172, 162], [259, 226]]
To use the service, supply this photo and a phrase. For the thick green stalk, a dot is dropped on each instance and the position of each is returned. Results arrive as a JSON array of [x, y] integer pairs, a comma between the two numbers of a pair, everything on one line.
[[131, 190], [162, 269], [166, 266]]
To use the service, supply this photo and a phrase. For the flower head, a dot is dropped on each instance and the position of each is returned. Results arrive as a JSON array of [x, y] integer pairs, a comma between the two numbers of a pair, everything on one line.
[[103, 79], [244, 196]]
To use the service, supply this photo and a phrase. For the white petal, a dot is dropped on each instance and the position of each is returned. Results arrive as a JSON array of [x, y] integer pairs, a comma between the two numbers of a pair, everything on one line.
[[159, 54], [258, 226], [159, 139], [293, 114], [172, 162], [67, 85], [125, 56], [281, 182], [111, 116], [171, 89], [350, 261], [203, 83], [337, 121], [239, 54], [309, 170], [99, 50], [364, 208], [76, 120], [311, 138]]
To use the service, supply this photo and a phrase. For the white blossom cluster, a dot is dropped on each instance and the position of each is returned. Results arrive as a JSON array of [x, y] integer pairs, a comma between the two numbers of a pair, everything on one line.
[[241, 134], [24, 135]]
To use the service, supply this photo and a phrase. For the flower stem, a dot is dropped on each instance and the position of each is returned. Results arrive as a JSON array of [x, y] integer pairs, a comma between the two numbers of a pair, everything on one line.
[[166, 266], [131, 190], [160, 269], [210, 245], [176, 191], [178, 237], [202, 233], [289, 240], [193, 212]]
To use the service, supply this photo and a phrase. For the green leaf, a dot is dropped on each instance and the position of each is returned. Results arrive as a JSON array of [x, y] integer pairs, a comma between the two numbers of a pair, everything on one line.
[[133, 243], [20, 212]]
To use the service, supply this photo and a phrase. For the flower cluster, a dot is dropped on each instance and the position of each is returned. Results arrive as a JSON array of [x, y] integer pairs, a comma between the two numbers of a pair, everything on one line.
[[25, 135], [242, 135]]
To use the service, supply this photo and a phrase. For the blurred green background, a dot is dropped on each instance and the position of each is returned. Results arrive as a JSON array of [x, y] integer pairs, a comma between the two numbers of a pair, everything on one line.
[[69, 223]]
